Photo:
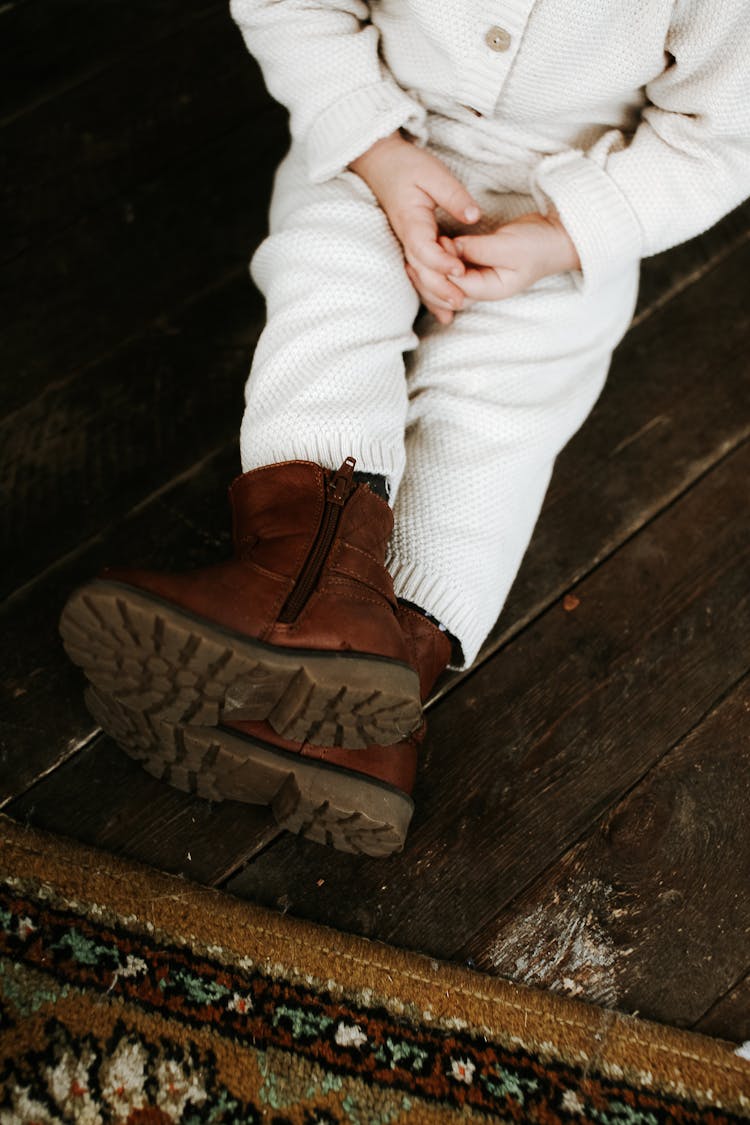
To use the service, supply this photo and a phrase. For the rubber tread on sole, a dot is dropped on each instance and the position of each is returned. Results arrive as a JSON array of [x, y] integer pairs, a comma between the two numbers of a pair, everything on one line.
[[346, 810], [156, 658]]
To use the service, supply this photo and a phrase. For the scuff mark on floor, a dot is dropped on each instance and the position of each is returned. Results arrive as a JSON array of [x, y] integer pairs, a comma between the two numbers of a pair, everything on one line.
[[562, 945]]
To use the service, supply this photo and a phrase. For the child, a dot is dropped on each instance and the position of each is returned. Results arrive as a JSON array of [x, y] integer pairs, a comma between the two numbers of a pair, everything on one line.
[[506, 164]]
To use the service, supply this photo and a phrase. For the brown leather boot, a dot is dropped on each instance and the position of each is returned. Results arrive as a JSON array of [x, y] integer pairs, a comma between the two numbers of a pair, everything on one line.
[[298, 628], [355, 800]]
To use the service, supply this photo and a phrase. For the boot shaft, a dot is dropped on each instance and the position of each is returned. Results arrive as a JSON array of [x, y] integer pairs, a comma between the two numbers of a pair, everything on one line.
[[301, 521], [308, 570], [276, 512]]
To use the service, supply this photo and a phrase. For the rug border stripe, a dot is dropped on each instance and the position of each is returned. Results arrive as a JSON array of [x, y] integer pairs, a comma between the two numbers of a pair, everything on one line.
[[661, 1057]]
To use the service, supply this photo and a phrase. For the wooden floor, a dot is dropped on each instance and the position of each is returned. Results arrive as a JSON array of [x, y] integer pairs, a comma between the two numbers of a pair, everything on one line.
[[583, 808]]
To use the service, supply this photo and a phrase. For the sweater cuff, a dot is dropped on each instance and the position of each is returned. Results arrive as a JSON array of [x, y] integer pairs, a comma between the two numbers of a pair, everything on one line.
[[353, 124], [597, 216]]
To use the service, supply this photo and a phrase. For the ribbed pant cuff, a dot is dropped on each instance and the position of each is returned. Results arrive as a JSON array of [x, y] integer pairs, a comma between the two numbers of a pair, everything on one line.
[[443, 599], [328, 450]]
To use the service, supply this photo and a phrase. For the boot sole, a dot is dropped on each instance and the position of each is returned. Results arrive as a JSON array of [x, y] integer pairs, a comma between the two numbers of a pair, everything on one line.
[[156, 658], [347, 811]]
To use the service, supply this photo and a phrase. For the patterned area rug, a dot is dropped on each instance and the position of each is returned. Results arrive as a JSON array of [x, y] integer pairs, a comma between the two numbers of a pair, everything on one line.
[[128, 996]]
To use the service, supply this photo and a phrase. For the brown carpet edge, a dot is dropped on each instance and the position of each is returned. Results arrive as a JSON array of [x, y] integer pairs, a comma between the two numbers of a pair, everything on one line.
[[166, 906]]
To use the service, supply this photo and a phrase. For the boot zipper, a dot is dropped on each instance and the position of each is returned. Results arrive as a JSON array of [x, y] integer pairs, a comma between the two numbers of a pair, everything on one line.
[[337, 493]]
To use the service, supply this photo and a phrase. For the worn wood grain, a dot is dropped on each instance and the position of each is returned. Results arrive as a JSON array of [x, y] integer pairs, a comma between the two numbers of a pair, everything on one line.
[[651, 911], [549, 734], [115, 805]]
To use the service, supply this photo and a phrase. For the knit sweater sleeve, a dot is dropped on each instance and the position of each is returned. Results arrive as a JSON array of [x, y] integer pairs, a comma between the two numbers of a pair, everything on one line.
[[320, 59], [687, 163]]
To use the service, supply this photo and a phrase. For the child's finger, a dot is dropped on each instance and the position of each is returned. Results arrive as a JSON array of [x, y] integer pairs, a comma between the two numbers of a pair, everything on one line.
[[459, 269], [420, 241], [438, 286], [442, 314], [450, 194], [483, 249], [429, 295], [429, 254], [487, 284]]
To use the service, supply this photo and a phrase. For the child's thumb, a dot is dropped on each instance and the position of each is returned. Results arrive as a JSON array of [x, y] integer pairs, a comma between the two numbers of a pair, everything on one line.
[[450, 194]]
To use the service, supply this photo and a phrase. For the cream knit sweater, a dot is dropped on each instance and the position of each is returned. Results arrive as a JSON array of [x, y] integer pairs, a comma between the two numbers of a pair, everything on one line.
[[637, 111]]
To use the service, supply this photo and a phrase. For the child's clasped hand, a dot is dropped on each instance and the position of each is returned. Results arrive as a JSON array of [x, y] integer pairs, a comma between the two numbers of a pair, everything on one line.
[[410, 184]]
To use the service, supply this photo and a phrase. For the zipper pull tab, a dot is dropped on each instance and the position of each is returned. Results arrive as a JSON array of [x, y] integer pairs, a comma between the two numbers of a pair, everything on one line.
[[340, 484]]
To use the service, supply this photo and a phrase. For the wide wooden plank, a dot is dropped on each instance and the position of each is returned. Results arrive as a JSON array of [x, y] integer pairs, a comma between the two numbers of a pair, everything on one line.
[[618, 472], [79, 456], [47, 46], [547, 736], [104, 798], [156, 109], [669, 273], [729, 1017], [651, 911]]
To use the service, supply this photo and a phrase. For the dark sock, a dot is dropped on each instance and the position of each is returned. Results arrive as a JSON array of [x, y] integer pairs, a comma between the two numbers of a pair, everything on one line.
[[457, 653], [377, 483]]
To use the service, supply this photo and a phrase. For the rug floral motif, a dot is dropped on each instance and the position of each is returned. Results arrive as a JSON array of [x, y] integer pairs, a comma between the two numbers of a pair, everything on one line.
[[118, 1005]]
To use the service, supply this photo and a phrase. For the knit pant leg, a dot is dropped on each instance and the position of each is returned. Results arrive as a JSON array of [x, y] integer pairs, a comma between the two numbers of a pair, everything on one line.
[[493, 399], [327, 378]]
